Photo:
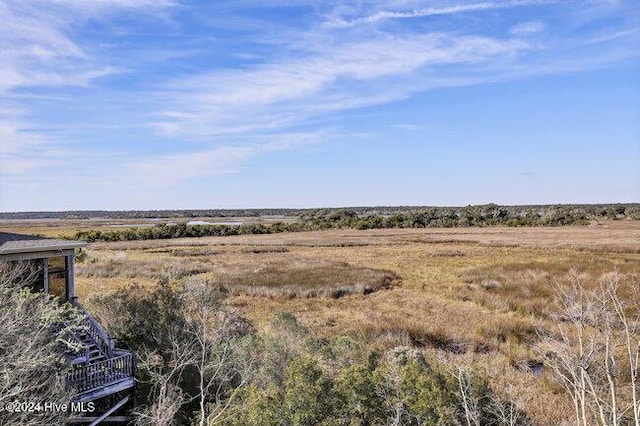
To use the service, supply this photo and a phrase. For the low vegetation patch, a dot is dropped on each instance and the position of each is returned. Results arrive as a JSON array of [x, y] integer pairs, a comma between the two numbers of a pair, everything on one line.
[[185, 251], [448, 253], [293, 277], [265, 249]]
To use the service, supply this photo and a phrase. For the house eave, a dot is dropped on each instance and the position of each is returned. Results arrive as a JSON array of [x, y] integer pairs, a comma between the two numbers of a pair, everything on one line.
[[56, 248]]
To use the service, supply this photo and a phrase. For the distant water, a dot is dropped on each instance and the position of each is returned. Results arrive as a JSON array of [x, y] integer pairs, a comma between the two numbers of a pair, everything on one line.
[[191, 222], [204, 222], [128, 225]]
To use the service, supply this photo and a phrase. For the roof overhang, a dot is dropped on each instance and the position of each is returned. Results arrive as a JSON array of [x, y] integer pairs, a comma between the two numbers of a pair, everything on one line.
[[22, 244]]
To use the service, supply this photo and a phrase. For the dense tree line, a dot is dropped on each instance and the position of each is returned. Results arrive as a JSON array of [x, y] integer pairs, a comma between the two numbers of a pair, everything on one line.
[[434, 217], [613, 211], [481, 215], [180, 230]]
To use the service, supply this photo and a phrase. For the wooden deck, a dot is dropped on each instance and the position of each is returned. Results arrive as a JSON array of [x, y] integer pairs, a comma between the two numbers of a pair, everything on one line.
[[99, 369]]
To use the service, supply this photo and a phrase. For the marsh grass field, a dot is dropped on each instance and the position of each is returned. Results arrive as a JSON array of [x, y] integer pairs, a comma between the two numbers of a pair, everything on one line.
[[477, 296]]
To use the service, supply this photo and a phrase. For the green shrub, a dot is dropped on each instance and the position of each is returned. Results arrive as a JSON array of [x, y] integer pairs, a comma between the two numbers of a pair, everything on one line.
[[359, 390], [259, 406], [309, 398]]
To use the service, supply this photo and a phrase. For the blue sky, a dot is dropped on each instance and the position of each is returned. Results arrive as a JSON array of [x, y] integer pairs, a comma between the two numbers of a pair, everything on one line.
[[150, 104]]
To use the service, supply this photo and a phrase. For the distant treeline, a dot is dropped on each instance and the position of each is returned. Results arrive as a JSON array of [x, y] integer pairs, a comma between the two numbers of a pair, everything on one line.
[[354, 218], [591, 210], [148, 214], [180, 230]]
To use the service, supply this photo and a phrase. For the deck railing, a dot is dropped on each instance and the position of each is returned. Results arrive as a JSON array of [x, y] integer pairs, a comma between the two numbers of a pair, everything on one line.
[[101, 373]]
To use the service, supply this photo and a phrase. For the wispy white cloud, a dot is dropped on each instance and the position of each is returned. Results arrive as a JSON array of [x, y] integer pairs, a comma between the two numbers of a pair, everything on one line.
[[162, 170], [38, 49], [80, 10], [526, 28], [110, 4], [324, 76], [407, 127], [382, 15], [150, 171], [344, 76], [21, 150], [37, 46], [11, 138], [630, 35]]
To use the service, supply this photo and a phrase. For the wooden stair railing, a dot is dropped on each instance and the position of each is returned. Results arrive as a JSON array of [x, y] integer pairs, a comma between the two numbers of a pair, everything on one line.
[[97, 333], [100, 373]]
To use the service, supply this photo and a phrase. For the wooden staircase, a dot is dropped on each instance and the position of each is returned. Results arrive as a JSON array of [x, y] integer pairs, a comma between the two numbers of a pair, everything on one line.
[[100, 373], [93, 352]]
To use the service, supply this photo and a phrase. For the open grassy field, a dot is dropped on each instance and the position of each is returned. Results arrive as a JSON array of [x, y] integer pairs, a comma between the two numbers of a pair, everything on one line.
[[468, 295]]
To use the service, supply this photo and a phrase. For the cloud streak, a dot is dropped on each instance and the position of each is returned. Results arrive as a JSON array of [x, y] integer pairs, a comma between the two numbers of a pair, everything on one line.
[[425, 12], [223, 159], [526, 28], [37, 50], [345, 76]]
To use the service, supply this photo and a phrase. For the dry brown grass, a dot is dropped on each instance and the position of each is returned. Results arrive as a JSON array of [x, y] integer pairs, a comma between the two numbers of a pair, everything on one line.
[[474, 294], [529, 287], [125, 265], [254, 270]]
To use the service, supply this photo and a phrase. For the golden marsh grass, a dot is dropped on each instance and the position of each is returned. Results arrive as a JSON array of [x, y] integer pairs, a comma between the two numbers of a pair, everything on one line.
[[474, 295]]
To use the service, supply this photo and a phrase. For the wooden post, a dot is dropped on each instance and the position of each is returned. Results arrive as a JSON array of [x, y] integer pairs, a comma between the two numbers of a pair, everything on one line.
[[69, 283], [45, 272]]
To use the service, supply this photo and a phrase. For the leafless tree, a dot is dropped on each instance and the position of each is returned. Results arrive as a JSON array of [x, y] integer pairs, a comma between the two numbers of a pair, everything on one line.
[[164, 378], [206, 347], [220, 360], [620, 326], [596, 337], [510, 410], [390, 393], [471, 401]]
